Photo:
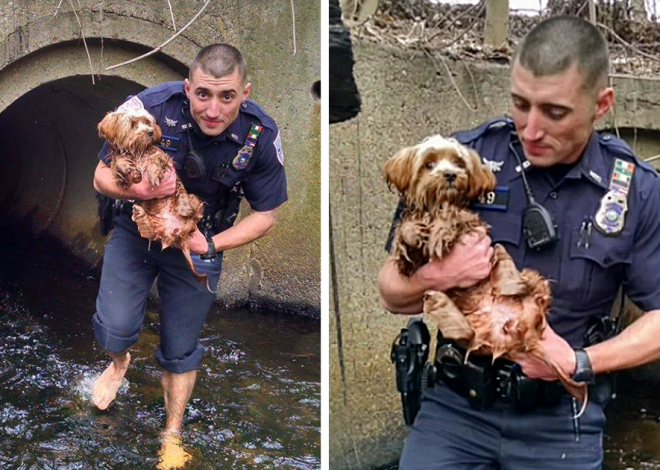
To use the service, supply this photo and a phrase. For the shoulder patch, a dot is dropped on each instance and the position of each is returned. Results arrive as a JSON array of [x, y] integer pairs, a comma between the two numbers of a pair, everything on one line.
[[278, 148], [134, 104], [620, 148]]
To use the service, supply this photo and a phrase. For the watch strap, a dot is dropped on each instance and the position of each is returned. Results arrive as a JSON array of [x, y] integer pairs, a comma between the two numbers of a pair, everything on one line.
[[583, 371], [211, 253]]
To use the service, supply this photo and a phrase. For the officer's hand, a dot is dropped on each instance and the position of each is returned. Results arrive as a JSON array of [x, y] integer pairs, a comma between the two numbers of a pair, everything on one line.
[[198, 243], [555, 349], [144, 190], [464, 266]]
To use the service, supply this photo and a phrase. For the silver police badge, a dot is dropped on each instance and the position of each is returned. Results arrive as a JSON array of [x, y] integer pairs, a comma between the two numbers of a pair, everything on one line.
[[611, 215]]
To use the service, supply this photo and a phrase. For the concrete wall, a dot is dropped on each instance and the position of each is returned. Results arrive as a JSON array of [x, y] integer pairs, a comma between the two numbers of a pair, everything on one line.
[[281, 270], [404, 98]]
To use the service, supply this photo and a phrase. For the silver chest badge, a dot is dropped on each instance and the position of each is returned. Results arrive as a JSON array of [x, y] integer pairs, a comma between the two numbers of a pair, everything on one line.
[[170, 122], [611, 216]]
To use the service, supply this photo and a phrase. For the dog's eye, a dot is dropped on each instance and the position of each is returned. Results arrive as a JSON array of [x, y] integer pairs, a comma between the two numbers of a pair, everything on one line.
[[133, 124], [429, 165]]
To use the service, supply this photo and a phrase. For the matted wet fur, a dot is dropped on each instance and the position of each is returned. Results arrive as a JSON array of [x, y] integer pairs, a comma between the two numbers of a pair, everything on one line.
[[503, 315], [134, 155]]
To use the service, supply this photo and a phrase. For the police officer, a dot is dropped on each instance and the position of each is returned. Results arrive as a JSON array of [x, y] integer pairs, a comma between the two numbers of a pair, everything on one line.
[[603, 205], [224, 146]]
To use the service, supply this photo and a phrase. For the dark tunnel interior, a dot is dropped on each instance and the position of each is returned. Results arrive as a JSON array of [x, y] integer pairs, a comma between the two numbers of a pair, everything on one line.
[[49, 151]]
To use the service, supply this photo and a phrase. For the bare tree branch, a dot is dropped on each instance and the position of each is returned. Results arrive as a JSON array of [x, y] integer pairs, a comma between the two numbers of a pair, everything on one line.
[[172, 14], [622, 41], [57, 9], [293, 16], [82, 34], [159, 48], [451, 78]]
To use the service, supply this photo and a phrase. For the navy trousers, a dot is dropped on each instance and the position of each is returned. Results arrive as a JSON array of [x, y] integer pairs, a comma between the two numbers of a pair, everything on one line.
[[130, 267], [450, 435]]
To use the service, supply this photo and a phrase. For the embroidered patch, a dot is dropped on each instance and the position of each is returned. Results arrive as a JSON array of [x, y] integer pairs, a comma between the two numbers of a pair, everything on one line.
[[170, 122], [492, 165], [134, 104], [497, 200], [278, 148]]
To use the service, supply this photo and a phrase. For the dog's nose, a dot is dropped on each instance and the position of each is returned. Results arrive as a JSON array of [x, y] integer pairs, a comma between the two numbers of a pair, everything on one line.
[[450, 177]]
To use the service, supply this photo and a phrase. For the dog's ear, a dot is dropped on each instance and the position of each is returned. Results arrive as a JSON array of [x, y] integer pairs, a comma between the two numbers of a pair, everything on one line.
[[158, 133], [482, 180], [108, 127], [399, 169]]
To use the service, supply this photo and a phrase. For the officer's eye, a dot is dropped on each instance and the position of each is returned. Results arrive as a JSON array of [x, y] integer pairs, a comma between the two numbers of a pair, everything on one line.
[[556, 113], [202, 94], [520, 105], [227, 96]]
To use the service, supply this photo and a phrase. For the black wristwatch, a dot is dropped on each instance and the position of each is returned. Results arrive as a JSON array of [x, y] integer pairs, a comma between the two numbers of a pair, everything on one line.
[[211, 253], [583, 371]]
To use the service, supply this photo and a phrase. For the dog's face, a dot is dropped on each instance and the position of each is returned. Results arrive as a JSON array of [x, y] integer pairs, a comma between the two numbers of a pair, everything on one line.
[[436, 171], [131, 131]]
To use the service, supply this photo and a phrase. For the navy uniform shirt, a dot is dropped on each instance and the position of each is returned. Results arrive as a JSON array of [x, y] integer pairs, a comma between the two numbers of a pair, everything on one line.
[[263, 180], [584, 277]]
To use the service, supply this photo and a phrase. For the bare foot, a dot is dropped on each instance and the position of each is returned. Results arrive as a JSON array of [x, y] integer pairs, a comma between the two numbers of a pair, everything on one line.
[[172, 455], [106, 386]]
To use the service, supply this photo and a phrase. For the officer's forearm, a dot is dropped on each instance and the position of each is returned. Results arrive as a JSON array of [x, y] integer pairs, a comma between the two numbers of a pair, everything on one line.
[[400, 294], [636, 345], [255, 225], [104, 183]]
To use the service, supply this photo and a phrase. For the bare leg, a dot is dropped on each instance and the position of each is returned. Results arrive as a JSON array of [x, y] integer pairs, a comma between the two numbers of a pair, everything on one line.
[[177, 389], [106, 386]]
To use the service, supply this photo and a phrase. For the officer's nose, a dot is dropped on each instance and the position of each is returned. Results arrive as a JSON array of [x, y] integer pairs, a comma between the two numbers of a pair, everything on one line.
[[213, 110], [450, 177], [534, 128]]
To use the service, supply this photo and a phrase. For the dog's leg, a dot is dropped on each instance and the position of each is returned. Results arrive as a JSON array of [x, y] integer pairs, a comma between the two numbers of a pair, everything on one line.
[[410, 246], [125, 171], [450, 320], [505, 276]]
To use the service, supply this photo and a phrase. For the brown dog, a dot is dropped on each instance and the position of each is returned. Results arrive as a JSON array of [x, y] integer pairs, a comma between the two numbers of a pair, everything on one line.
[[502, 315], [132, 135]]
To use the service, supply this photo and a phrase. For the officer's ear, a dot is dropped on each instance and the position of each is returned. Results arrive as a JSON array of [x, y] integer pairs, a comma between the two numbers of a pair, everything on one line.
[[186, 87], [604, 101], [399, 169], [481, 179], [247, 90]]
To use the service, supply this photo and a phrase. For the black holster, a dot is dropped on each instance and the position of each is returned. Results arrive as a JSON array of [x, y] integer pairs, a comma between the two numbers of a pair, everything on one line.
[[106, 209], [410, 352], [226, 215]]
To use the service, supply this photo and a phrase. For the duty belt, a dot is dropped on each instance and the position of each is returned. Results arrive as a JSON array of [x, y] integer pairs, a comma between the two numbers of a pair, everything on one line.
[[483, 382]]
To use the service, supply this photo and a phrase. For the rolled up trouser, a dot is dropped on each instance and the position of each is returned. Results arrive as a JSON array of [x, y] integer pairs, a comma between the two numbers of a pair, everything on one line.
[[129, 269]]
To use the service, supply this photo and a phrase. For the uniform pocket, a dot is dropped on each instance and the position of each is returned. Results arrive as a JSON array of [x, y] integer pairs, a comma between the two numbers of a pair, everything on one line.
[[594, 270]]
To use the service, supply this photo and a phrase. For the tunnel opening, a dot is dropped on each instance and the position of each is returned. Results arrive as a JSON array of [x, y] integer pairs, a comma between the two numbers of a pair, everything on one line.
[[50, 145], [316, 90]]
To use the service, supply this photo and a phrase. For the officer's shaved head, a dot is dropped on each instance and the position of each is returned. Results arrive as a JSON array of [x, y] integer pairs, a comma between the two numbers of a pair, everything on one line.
[[219, 60], [560, 42]]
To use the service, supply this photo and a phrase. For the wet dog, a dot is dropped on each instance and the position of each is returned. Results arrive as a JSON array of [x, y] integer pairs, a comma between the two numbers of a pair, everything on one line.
[[133, 135], [503, 315]]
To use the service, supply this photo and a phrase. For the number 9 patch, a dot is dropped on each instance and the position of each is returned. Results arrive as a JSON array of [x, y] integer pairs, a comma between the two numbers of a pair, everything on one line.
[[497, 200]]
